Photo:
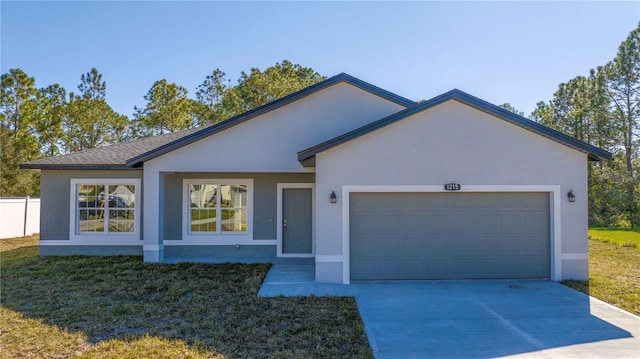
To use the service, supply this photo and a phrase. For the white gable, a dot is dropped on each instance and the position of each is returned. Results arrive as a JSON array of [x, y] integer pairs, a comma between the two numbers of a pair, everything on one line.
[[453, 142], [270, 142]]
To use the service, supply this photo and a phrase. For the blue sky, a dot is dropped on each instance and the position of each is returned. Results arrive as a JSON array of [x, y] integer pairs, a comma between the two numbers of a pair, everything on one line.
[[516, 52]]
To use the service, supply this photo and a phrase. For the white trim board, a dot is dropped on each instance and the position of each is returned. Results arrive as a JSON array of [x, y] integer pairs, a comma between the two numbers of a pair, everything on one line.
[[98, 241], [280, 187], [555, 229], [575, 256], [222, 241], [329, 258]]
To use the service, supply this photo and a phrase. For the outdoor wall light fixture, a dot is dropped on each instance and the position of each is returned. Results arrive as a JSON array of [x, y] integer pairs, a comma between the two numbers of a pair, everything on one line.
[[571, 196], [333, 198]]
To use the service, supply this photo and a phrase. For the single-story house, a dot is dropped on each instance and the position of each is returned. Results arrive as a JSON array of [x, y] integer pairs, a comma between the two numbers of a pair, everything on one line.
[[369, 184]]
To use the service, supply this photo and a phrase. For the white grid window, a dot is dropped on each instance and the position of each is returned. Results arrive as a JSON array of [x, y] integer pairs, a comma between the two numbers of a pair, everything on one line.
[[217, 206], [104, 207]]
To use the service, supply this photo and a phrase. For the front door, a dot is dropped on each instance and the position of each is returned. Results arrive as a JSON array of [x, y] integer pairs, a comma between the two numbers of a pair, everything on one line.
[[296, 221]]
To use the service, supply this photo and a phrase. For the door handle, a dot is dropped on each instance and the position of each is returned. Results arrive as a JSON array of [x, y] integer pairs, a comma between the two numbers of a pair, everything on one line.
[[284, 224]]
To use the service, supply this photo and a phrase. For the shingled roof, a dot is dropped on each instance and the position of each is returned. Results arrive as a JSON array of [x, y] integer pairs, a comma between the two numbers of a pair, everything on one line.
[[132, 155], [113, 157]]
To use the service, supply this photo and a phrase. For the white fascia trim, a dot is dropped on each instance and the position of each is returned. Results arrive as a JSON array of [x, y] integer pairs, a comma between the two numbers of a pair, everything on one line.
[[216, 238], [219, 242], [555, 220], [101, 239], [329, 258], [297, 255], [280, 188], [575, 256]]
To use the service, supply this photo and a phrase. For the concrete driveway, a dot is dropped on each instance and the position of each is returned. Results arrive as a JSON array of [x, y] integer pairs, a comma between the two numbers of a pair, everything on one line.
[[477, 319]]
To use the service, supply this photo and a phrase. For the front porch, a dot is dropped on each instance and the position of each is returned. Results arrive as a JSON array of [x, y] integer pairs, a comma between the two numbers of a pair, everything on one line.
[[296, 276]]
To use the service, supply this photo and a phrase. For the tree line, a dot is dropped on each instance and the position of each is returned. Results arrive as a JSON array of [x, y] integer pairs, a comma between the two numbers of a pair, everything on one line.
[[601, 108], [49, 121]]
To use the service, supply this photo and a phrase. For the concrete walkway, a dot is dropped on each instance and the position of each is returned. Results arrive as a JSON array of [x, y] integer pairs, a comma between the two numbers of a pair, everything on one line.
[[475, 319]]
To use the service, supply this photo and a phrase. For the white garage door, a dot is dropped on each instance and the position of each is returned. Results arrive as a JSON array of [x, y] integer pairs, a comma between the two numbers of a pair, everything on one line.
[[396, 236]]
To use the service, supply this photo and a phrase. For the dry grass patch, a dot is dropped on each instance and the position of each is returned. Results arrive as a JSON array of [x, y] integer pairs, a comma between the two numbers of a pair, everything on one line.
[[121, 307], [21, 337], [146, 347]]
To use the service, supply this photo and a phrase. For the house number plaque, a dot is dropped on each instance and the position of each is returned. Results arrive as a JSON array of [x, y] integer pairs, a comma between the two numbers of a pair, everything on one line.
[[452, 186]]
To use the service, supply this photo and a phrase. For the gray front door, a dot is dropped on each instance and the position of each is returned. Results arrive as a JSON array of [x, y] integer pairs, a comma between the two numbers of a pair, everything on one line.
[[449, 235], [296, 221]]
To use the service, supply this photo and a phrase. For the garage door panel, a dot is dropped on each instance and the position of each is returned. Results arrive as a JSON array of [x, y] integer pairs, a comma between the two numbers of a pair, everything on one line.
[[435, 245], [434, 202], [532, 245], [434, 223], [412, 245], [393, 226], [458, 223], [537, 222], [480, 204], [451, 268], [509, 203], [530, 267], [489, 244], [363, 224], [535, 201], [485, 221], [405, 202], [411, 224], [454, 203], [511, 222], [369, 246], [461, 244], [449, 235]]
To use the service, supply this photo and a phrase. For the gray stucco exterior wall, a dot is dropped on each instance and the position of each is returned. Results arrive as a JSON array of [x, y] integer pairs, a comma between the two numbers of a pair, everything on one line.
[[222, 254], [55, 191], [264, 199], [452, 143], [90, 250]]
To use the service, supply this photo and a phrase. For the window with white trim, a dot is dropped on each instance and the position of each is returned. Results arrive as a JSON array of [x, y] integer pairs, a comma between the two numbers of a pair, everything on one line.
[[217, 206], [104, 207]]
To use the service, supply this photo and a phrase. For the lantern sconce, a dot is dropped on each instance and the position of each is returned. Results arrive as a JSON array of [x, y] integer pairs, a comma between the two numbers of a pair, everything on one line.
[[571, 196], [333, 198]]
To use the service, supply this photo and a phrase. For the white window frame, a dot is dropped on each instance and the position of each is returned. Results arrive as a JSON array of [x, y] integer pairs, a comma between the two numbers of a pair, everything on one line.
[[219, 237], [106, 237]]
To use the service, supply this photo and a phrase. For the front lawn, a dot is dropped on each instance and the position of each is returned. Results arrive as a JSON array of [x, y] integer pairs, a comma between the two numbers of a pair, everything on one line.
[[626, 237], [614, 268], [119, 307]]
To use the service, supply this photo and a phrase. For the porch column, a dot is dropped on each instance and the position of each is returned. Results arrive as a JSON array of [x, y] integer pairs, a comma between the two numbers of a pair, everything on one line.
[[153, 193]]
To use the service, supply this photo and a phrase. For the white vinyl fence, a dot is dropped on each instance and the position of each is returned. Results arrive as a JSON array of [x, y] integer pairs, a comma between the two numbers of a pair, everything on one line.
[[19, 216]]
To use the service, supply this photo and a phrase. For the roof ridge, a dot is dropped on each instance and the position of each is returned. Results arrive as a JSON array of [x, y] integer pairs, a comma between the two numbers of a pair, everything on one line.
[[275, 104], [306, 156]]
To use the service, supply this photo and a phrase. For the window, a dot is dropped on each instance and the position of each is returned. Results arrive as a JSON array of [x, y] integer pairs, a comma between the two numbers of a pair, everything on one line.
[[104, 207], [217, 206]]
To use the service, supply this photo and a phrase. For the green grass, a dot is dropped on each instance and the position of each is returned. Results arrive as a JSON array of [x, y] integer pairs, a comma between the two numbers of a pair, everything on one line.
[[614, 268], [120, 307], [626, 237]]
